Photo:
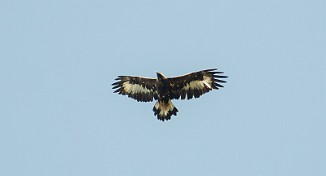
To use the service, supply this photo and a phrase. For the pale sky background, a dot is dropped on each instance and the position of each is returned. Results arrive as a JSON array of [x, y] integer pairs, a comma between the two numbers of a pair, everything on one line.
[[59, 116]]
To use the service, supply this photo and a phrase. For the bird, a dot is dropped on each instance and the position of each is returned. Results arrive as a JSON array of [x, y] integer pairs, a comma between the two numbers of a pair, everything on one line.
[[164, 89]]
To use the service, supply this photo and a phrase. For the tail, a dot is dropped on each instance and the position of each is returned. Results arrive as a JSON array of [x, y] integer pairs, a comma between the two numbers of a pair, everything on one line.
[[164, 110]]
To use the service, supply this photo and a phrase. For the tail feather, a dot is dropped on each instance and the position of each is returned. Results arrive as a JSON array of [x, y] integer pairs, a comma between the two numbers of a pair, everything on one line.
[[164, 110]]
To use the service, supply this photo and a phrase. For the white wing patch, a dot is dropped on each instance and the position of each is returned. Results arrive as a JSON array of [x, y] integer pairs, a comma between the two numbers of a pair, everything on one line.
[[207, 81], [134, 88], [199, 84]]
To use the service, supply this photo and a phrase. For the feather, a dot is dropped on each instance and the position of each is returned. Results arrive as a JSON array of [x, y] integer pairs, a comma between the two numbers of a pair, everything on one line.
[[195, 84], [164, 89], [139, 88]]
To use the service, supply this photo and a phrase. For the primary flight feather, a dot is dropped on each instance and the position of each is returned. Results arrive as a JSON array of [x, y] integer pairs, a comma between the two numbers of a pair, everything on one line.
[[165, 89]]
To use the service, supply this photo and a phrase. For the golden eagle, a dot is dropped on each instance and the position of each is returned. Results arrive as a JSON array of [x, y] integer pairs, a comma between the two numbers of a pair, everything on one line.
[[164, 89]]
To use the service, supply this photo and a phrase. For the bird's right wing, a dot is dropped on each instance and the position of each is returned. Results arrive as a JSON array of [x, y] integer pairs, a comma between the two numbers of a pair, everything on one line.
[[195, 84], [139, 88]]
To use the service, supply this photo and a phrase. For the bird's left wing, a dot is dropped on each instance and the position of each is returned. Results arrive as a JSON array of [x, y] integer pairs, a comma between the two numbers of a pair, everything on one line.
[[195, 84], [139, 88]]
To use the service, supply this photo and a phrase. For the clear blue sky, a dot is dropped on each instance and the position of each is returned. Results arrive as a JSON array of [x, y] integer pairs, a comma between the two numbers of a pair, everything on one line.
[[59, 116]]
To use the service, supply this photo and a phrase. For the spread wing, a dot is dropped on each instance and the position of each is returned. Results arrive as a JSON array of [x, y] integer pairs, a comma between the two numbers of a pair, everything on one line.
[[195, 84], [139, 88]]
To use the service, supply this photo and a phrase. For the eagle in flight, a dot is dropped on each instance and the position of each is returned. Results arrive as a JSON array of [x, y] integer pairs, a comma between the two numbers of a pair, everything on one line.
[[165, 89]]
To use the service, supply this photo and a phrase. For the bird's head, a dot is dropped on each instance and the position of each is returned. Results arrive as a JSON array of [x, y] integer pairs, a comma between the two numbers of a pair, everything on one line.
[[160, 76]]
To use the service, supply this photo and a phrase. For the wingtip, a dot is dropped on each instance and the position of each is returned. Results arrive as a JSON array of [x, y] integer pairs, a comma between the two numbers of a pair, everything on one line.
[[115, 86], [220, 76], [120, 77], [210, 69], [115, 83]]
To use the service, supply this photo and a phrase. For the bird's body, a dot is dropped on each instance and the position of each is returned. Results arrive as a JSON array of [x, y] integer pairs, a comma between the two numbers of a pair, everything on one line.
[[164, 107], [165, 89]]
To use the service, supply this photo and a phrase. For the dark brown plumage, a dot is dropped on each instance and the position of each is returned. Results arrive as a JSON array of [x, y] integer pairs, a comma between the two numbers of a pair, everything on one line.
[[164, 89]]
